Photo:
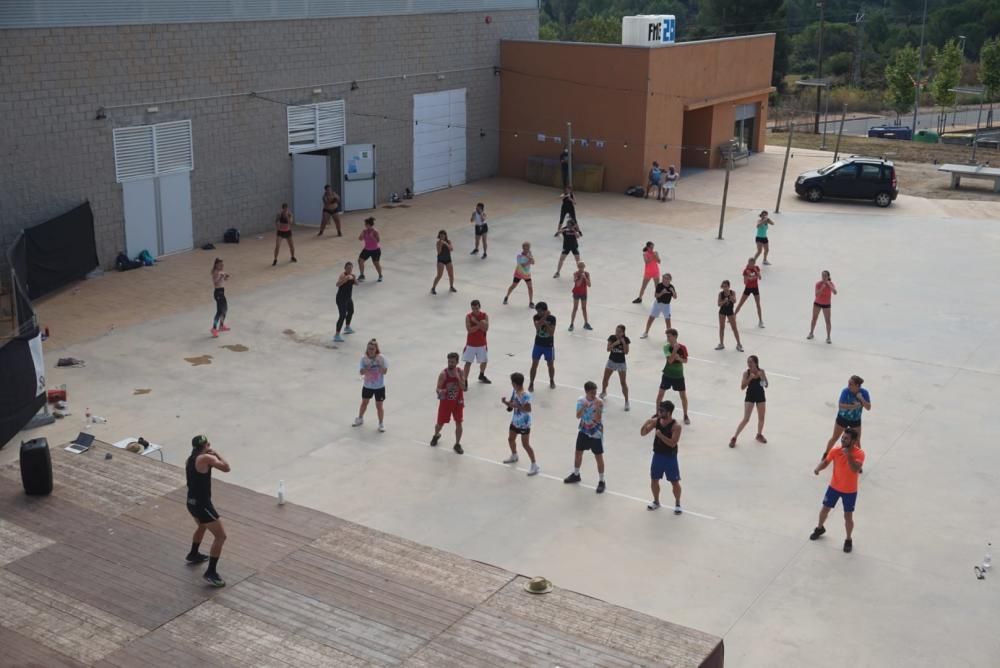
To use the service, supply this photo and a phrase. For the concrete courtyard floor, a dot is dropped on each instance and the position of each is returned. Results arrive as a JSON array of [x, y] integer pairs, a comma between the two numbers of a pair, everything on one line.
[[916, 316]]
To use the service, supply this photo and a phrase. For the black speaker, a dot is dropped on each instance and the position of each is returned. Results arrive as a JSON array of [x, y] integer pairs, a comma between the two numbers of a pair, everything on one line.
[[36, 466]]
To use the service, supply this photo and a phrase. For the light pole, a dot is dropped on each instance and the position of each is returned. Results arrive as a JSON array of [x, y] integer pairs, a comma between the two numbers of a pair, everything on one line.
[[981, 92], [819, 63], [916, 81]]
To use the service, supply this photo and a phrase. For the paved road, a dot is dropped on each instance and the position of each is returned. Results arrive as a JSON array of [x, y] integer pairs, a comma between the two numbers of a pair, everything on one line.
[[925, 120]]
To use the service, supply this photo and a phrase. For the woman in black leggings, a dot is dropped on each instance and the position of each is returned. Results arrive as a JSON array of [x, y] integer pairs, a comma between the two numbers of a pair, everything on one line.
[[345, 304], [219, 276]]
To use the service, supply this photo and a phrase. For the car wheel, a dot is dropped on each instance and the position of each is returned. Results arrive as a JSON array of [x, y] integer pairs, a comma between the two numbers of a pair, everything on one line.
[[814, 194], [883, 199]]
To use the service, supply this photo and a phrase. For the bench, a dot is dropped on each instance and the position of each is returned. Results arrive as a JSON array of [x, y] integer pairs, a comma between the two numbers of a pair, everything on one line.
[[733, 151], [958, 172]]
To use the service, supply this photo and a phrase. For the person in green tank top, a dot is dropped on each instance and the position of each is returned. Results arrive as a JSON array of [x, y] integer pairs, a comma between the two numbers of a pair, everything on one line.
[[673, 371], [763, 246]]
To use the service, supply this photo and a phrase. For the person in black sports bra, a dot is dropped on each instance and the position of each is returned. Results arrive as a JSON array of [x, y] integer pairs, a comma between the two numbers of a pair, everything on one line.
[[754, 381], [571, 234], [198, 469], [444, 249], [345, 302], [726, 300]]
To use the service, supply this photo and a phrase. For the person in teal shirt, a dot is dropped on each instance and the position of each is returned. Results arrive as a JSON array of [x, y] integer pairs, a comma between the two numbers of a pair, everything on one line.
[[762, 244]]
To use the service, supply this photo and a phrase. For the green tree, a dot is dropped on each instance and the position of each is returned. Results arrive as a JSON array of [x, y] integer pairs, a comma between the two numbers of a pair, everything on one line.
[[947, 75], [899, 75], [719, 18], [599, 29], [989, 67], [549, 32]]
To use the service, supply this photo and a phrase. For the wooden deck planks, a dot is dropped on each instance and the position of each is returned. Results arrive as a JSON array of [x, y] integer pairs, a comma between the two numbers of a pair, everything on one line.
[[49, 516], [61, 622], [22, 652], [17, 542], [444, 574]]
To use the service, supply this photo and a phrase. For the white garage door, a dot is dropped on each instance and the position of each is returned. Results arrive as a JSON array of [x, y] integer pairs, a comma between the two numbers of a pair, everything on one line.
[[438, 140]]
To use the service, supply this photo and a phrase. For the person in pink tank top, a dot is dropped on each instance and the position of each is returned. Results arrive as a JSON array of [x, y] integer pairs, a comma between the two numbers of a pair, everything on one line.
[[371, 250], [651, 268], [824, 291]]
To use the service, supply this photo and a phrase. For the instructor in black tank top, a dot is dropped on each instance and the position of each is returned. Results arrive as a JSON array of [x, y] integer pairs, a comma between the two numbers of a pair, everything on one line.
[[199, 503]]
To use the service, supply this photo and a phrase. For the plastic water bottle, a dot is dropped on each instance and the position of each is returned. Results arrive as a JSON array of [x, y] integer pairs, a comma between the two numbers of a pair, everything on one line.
[[988, 559], [281, 492]]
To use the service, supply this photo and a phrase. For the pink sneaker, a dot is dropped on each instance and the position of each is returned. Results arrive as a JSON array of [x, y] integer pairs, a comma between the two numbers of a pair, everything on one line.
[[215, 333], [223, 329]]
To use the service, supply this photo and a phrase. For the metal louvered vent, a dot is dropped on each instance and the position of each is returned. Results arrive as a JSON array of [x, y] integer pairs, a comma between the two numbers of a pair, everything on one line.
[[315, 126], [146, 151]]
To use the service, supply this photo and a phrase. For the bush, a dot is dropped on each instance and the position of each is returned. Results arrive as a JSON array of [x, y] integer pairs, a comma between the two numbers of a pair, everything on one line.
[[840, 64]]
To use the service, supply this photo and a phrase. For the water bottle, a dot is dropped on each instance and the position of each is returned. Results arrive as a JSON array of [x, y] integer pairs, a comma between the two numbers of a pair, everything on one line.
[[281, 492], [86, 421], [988, 559]]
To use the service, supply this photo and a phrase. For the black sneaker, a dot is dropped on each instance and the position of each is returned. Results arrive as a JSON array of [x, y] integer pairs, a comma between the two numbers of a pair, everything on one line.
[[817, 532], [475, 251], [458, 449], [293, 260], [484, 256], [637, 300], [275, 263], [572, 477], [600, 487], [504, 301], [484, 379], [434, 439], [848, 545], [214, 579], [196, 558]]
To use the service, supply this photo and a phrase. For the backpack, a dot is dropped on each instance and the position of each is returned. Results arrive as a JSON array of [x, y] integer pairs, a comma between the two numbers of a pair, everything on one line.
[[232, 236], [145, 258], [636, 191], [123, 263]]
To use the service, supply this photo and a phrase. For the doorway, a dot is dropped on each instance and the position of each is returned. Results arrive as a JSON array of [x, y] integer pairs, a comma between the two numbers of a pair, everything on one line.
[[158, 214], [349, 169], [745, 127]]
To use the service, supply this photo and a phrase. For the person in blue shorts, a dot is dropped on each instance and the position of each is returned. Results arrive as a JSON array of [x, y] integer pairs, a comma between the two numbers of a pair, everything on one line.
[[545, 327], [667, 434], [590, 412], [853, 400]]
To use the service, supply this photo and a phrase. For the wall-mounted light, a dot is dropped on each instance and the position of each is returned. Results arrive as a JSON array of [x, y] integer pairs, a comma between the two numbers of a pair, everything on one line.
[[482, 132], [152, 110], [354, 85], [496, 71], [440, 77], [317, 91], [100, 114], [515, 135], [626, 145]]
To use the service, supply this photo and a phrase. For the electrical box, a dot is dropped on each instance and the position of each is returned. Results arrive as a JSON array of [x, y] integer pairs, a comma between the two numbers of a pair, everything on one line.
[[649, 30]]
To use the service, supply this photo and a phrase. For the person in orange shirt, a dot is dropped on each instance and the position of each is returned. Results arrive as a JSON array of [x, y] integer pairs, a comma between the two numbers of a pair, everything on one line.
[[847, 459]]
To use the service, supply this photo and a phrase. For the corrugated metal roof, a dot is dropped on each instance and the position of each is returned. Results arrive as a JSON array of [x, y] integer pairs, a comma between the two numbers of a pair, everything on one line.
[[60, 13]]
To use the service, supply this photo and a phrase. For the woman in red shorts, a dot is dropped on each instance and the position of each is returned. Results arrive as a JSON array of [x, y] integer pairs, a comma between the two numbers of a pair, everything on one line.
[[824, 291]]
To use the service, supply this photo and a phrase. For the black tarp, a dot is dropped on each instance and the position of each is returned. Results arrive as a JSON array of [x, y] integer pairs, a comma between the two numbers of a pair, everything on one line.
[[59, 251], [22, 372]]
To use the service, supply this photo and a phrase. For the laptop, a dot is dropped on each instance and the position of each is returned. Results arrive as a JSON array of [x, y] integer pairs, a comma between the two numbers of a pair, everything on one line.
[[81, 443]]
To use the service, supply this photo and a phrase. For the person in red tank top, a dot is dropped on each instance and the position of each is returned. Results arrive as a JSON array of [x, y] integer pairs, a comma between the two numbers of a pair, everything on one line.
[[451, 401], [751, 281], [476, 325], [824, 291], [581, 281]]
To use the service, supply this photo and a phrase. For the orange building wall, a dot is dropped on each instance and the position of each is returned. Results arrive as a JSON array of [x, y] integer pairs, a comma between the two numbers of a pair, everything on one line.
[[632, 96]]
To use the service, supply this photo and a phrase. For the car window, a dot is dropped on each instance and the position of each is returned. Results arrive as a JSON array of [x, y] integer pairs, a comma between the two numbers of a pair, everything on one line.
[[871, 172], [830, 168], [848, 171]]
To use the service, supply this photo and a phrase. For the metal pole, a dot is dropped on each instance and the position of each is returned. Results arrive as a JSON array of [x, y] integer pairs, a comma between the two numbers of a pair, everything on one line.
[[843, 117], [819, 64], [784, 168], [569, 145], [916, 85], [975, 137], [826, 116], [725, 194]]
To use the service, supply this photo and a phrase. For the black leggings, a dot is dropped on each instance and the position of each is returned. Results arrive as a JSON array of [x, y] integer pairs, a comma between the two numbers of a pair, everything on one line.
[[221, 307], [566, 210], [345, 309]]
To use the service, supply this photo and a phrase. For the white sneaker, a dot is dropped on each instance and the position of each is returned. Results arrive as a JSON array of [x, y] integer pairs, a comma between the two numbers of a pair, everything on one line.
[[739, 347], [677, 510], [761, 324], [720, 347], [809, 335], [603, 395], [534, 469], [381, 428], [828, 340], [653, 505], [358, 421], [511, 460], [627, 407], [644, 336]]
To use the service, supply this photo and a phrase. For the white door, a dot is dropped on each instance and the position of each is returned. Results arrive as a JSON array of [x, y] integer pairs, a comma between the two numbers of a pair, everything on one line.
[[310, 174], [139, 199], [176, 229], [438, 140], [358, 168]]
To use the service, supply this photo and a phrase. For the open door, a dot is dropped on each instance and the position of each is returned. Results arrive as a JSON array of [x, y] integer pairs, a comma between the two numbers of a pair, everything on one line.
[[309, 176], [358, 169]]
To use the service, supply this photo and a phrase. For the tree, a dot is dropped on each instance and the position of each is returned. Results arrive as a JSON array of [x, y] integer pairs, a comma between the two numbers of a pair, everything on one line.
[[718, 18], [947, 75], [899, 75], [989, 72], [598, 29]]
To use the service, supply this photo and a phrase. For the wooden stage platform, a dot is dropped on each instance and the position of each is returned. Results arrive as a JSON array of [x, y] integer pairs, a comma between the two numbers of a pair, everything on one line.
[[94, 575]]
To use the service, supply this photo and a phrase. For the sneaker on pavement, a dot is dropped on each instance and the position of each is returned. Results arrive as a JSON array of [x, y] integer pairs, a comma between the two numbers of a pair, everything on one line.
[[361, 278], [809, 336], [214, 579], [570, 328], [475, 251], [458, 449], [732, 442], [587, 326], [761, 324], [511, 460], [644, 335], [600, 487], [434, 439], [379, 280], [555, 275], [552, 384], [739, 347], [433, 291], [817, 532], [223, 328], [358, 421], [215, 333], [452, 289], [766, 262], [678, 510], [484, 256], [627, 407], [637, 300], [687, 420], [531, 304], [337, 338], [720, 347], [348, 330], [848, 545], [484, 379], [534, 469], [381, 428], [196, 558], [653, 505], [571, 478], [603, 395], [828, 340]]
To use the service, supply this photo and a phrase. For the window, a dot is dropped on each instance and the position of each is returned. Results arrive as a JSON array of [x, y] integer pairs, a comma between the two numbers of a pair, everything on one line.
[[847, 172], [145, 151], [871, 172], [315, 126]]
